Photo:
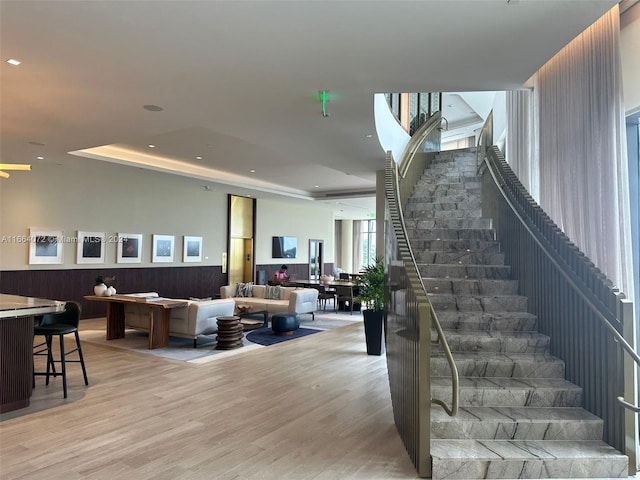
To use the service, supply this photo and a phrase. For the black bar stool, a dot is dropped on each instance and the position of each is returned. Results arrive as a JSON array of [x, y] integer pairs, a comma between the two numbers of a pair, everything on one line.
[[59, 324]]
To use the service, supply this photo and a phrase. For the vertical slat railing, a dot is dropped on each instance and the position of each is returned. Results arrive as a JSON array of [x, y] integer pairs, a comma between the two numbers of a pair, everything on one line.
[[575, 303]]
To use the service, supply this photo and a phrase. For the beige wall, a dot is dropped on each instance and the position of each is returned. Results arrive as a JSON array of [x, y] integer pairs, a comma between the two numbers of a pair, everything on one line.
[[278, 218], [90, 195]]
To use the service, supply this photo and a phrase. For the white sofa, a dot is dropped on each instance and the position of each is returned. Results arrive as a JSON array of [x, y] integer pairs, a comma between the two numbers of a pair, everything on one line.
[[292, 299], [199, 317]]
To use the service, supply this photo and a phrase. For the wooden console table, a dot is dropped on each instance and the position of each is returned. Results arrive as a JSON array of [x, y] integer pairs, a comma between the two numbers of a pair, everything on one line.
[[158, 324]]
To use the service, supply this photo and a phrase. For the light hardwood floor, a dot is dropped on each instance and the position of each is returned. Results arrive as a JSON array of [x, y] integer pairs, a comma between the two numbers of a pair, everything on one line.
[[313, 408]]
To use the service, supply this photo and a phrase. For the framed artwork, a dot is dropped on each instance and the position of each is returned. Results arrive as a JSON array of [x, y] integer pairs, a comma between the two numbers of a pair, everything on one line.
[[192, 249], [91, 247], [163, 246], [45, 246], [129, 247]]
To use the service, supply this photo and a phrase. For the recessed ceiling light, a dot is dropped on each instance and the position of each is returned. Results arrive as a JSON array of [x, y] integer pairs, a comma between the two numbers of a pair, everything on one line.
[[13, 61], [40, 158], [317, 186], [153, 108], [198, 158], [151, 145], [252, 171], [368, 135]]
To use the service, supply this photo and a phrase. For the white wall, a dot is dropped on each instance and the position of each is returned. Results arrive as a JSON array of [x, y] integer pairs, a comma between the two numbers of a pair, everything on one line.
[[278, 218], [391, 135], [90, 195]]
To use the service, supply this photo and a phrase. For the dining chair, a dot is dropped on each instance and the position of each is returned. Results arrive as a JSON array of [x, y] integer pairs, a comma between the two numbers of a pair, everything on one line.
[[325, 294], [59, 324], [345, 294]]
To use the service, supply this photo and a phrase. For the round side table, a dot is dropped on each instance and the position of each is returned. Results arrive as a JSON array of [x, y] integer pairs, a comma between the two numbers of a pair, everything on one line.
[[229, 333]]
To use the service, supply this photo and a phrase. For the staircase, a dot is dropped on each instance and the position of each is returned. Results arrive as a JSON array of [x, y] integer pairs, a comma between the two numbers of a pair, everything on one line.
[[518, 417]]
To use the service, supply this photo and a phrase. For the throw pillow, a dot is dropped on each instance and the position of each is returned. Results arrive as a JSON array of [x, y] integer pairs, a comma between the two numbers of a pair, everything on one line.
[[244, 289], [272, 292]]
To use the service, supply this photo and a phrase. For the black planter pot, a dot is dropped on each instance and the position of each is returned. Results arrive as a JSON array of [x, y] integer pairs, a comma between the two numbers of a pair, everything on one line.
[[373, 320]]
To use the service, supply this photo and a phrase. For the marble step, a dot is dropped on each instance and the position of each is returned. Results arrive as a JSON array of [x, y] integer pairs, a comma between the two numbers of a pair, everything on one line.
[[492, 246], [492, 342], [453, 213], [488, 321], [509, 392], [510, 459], [449, 223], [412, 207], [516, 423], [439, 192], [459, 197], [420, 234], [479, 303], [481, 286], [459, 258], [517, 365], [429, 181], [434, 270]]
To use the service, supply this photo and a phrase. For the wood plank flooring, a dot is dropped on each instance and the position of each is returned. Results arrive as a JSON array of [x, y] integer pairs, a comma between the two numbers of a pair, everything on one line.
[[313, 408]]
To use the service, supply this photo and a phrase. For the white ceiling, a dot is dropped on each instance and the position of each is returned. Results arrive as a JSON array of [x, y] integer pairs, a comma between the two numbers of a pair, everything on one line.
[[238, 82]]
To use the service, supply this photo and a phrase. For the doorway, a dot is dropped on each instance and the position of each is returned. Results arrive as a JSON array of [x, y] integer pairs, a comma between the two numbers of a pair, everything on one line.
[[316, 259], [240, 244]]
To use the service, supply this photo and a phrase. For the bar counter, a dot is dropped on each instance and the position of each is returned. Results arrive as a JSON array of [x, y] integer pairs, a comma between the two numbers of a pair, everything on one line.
[[16, 347]]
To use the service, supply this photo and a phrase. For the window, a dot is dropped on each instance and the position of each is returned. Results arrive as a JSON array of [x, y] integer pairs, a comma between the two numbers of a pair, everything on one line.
[[368, 229]]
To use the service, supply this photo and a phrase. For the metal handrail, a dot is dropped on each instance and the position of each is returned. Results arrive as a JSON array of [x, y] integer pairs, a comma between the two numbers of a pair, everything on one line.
[[410, 152], [603, 319]]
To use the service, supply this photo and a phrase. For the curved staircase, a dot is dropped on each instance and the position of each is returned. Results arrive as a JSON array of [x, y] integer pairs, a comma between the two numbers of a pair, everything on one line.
[[518, 417]]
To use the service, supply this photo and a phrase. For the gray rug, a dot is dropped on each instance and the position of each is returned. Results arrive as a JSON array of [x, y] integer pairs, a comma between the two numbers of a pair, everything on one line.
[[181, 349]]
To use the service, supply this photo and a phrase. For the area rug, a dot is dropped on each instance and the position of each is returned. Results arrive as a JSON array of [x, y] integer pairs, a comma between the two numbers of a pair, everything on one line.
[[266, 336], [94, 331]]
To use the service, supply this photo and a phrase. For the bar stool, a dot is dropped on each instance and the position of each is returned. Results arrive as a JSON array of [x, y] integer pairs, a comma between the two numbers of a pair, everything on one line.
[[59, 324]]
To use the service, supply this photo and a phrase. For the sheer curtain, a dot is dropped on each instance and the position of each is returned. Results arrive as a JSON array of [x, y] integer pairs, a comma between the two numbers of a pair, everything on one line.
[[583, 163], [521, 143], [357, 246]]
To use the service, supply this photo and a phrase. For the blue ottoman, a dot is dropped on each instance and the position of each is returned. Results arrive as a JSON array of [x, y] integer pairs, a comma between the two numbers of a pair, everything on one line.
[[285, 323]]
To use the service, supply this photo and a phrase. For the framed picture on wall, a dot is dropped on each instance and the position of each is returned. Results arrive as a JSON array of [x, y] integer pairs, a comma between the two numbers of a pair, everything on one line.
[[45, 246], [129, 247], [91, 247], [192, 249], [163, 246]]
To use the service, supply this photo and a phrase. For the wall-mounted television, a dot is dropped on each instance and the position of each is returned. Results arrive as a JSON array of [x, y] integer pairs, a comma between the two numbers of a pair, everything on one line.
[[284, 247]]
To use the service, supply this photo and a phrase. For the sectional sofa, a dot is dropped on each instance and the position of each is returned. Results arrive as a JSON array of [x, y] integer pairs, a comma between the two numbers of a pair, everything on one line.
[[272, 299], [199, 317]]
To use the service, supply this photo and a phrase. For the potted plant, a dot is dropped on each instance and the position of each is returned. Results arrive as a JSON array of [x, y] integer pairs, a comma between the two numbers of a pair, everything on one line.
[[370, 286]]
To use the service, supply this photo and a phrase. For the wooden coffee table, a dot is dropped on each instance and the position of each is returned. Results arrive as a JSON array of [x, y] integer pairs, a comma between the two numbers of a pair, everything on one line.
[[247, 311]]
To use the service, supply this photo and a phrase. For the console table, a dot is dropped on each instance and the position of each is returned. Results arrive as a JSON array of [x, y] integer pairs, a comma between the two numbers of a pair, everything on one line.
[[158, 324], [16, 347]]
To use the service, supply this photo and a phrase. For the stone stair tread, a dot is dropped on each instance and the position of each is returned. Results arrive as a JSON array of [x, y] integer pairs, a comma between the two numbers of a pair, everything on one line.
[[509, 459], [515, 414], [502, 383]]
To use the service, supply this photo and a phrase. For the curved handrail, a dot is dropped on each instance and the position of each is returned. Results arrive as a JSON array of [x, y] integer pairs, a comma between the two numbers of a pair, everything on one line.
[[455, 386], [535, 235], [416, 142]]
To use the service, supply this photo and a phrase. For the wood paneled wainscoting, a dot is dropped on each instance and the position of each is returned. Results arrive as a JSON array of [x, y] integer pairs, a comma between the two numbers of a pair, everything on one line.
[[74, 284]]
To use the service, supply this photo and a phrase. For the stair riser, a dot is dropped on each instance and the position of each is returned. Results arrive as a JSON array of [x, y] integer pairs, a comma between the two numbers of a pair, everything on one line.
[[460, 258], [456, 246], [430, 207], [444, 214], [472, 287], [478, 303], [511, 397], [492, 367], [454, 223], [487, 323], [503, 344], [428, 234], [497, 272], [510, 430]]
